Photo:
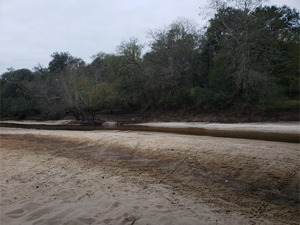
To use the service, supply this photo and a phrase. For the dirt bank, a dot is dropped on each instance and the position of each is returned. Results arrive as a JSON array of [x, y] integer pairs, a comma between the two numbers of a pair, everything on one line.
[[126, 177], [220, 116]]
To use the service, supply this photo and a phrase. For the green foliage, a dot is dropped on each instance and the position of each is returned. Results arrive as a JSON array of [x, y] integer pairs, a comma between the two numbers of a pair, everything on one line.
[[285, 105], [205, 98], [174, 54], [15, 101], [62, 61], [247, 58]]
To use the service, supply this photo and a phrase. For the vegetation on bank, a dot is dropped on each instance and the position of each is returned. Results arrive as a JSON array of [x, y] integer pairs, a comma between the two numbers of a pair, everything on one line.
[[245, 59]]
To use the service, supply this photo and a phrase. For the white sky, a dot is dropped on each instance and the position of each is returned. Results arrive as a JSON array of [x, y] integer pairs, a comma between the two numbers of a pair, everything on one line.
[[31, 30]]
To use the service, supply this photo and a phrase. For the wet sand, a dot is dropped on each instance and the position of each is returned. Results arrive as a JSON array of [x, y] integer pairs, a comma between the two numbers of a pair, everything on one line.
[[134, 177]]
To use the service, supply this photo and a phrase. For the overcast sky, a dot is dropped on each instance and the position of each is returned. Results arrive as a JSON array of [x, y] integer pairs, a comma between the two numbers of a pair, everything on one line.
[[31, 30]]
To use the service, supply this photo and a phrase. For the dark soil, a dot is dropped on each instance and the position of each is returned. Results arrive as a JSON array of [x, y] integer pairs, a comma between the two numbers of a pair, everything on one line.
[[201, 116]]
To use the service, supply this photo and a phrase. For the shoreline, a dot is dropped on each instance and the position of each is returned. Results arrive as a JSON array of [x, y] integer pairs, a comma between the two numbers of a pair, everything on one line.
[[282, 132]]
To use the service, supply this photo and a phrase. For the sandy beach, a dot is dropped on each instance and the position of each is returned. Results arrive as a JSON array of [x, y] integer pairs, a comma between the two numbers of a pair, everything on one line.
[[137, 177]]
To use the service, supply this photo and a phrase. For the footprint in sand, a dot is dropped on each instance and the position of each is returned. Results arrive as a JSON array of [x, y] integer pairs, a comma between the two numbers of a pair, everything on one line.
[[17, 213], [86, 220], [5, 202]]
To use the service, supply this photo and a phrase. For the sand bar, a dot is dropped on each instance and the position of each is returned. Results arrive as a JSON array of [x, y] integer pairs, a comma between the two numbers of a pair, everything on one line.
[[136, 177]]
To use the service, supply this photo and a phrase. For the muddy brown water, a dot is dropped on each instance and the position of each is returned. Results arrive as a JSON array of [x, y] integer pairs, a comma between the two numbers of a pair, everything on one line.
[[256, 135]]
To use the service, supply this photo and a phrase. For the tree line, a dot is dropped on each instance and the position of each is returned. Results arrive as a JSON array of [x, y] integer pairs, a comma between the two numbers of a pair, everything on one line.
[[246, 58]]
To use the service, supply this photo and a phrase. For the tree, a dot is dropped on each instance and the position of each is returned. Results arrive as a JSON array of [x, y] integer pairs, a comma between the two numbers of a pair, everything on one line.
[[173, 60], [279, 45], [15, 99], [215, 5], [131, 50], [130, 77], [46, 93], [62, 61], [176, 49], [250, 41], [84, 97]]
